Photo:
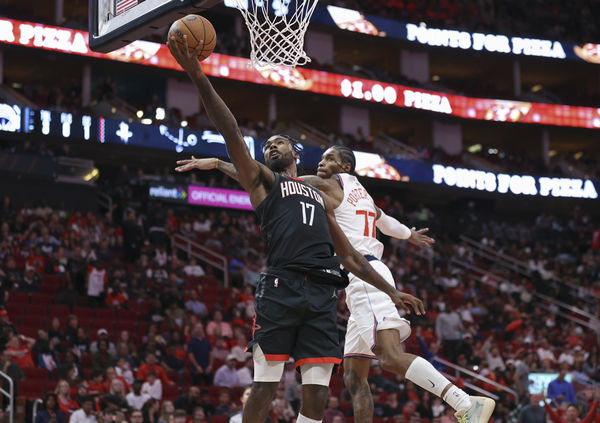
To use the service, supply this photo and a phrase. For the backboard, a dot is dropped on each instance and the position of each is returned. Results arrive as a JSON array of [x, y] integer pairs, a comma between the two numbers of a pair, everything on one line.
[[116, 23]]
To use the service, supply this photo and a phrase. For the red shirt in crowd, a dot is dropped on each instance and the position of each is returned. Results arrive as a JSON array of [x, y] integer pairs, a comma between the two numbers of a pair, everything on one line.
[[144, 369], [556, 418]]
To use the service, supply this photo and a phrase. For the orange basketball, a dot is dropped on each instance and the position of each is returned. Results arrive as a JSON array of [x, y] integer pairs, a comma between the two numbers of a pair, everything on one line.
[[199, 30]]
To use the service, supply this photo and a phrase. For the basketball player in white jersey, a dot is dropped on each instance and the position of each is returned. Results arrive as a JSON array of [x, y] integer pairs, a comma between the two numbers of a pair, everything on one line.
[[375, 328]]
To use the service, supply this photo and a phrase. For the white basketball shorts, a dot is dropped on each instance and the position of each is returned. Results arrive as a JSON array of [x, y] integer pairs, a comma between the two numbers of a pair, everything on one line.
[[370, 310]]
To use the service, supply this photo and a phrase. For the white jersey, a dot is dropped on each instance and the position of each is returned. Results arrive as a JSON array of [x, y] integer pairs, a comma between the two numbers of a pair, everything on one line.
[[356, 215]]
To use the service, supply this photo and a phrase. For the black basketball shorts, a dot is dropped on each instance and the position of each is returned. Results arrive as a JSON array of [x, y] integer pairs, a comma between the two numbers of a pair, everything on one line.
[[296, 315]]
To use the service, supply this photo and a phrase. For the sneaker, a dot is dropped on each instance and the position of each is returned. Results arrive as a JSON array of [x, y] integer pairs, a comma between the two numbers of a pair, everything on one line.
[[480, 412]]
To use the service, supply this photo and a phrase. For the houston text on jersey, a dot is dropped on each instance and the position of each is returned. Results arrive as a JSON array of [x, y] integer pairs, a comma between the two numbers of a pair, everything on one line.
[[293, 187]]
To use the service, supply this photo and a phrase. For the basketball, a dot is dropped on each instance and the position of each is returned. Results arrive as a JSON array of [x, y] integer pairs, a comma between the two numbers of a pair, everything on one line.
[[199, 30]]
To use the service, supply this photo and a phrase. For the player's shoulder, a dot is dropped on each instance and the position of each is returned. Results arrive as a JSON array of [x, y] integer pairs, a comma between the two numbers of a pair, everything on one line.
[[325, 185]]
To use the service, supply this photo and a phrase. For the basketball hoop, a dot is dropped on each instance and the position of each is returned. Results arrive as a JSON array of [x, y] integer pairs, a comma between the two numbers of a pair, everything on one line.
[[277, 39]]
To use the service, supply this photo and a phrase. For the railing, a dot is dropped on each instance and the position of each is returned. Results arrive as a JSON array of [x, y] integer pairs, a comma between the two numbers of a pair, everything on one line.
[[10, 394], [206, 255], [516, 265], [462, 370], [105, 201], [36, 404], [74, 170]]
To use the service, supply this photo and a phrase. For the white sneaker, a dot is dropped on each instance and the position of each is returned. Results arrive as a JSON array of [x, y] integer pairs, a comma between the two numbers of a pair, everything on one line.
[[480, 412]]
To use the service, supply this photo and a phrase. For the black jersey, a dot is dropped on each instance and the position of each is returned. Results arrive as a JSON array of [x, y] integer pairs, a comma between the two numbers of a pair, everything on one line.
[[294, 225]]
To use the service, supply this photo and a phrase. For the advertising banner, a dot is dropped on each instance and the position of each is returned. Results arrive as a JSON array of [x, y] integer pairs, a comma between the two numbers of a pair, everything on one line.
[[320, 82], [217, 197]]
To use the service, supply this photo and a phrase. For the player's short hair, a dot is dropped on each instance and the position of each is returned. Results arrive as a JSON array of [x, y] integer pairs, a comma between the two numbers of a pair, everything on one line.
[[346, 155]]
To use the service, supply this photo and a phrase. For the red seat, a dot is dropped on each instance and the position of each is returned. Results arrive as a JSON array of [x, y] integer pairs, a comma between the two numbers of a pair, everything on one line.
[[170, 392], [128, 325], [35, 373], [51, 280], [60, 311], [106, 314], [15, 310], [37, 309], [19, 297], [32, 388], [219, 419], [127, 315], [43, 299], [32, 321], [84, 312]]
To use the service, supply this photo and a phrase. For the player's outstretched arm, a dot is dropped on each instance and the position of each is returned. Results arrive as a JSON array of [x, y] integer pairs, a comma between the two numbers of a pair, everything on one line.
[[392, 227], [354, 262], [208, 164], [250, 171]]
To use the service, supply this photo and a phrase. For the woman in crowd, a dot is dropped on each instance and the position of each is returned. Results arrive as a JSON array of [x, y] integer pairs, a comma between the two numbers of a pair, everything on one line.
[[167, 411], [63, 394], [50, 411]]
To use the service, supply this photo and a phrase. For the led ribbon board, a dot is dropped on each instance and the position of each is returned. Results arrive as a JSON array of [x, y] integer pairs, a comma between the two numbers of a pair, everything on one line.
[[236, 68]]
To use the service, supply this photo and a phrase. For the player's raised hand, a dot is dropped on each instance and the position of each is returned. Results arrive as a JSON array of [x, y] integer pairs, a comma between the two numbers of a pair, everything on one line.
[[404, 300], [187, 59], [194, 163], [418, 237]]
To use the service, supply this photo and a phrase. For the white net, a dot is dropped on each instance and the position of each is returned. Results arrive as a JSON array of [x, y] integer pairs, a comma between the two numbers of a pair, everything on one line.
[[277, 34]]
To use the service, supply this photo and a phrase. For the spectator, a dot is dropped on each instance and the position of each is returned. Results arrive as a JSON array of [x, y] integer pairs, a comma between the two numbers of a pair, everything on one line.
[[448, 328], [572, 414], [150, 411], [200, 356], [123, 369], [193, 268], [50, 411], [72, 329], [245, 374], [101, 359], [19, 349], [188, 402], [150, 365], [31, 280], [97, 278], [152, 386], [227, 374], [532, 412], [224, 404], [171, 363], [167, 412], [86, 414], [237, 418], [12, 369], [96, 383], [560, 390], [103, 336], [111, 374], [378, 382], [116, 394], [179, 416], [199, 416], [63, 395], [136, 398], [195, 305], [332, 410], [137, 416], [217, 327]]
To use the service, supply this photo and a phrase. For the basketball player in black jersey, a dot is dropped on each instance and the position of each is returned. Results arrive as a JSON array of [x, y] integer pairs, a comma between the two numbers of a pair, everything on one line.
[[295, 300]]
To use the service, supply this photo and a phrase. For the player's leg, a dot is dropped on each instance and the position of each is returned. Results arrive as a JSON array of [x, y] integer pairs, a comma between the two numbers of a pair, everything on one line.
[[317, 348], [315, 389], [421, 372], [267, 375], [356, 374]]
